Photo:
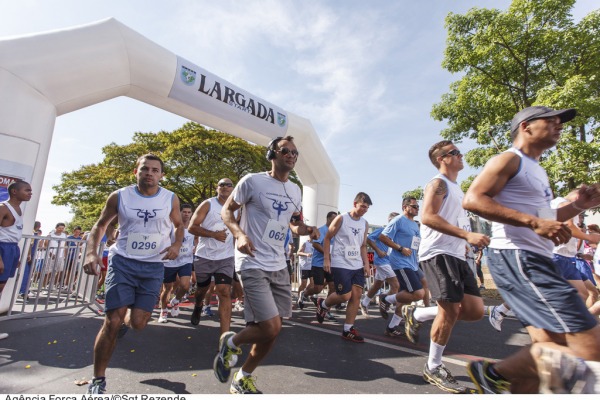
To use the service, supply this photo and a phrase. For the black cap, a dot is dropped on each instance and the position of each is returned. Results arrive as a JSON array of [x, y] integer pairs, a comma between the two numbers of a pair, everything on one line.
[[535, 112]]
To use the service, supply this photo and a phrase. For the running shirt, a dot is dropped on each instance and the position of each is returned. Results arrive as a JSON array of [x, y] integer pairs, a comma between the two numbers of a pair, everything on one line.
[[528, 192], [186, 252], [268, 208], [144, 224], [211, 248], [305, 262], [407, 234], [434, 243], [13, 233], [317, 258], [568, 249], [374, 236], [345, 251]]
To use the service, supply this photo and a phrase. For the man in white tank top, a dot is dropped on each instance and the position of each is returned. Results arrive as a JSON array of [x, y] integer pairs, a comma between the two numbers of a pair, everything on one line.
[[513, 191], [272, 204], [146, 214], [345, 256], [445, 230], [11, 231], [214, 254]]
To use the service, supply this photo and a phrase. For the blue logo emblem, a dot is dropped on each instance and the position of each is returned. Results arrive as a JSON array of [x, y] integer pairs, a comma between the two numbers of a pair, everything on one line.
[[188, 76], [145, 214]]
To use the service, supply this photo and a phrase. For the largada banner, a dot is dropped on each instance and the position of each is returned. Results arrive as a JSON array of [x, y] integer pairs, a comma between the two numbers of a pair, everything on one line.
[[200, 89]]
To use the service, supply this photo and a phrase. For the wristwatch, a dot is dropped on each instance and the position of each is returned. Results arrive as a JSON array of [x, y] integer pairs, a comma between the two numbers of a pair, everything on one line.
[[400, 249]]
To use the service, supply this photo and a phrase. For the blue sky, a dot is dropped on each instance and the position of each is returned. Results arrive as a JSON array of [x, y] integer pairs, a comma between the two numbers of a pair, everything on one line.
[[366, 73]]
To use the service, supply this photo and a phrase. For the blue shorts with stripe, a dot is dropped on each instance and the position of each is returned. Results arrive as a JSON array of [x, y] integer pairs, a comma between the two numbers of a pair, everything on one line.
[[344, 279], [536, 291], [568, 267], [586, 270], [409, 280]]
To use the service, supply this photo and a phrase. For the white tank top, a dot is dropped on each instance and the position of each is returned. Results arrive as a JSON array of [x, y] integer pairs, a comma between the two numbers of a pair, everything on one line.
[[528, 191], [346, 244], [568, 249], [186, 252], [303, 261], [210, 248], [434, 243], [13, 233], [144, 224]]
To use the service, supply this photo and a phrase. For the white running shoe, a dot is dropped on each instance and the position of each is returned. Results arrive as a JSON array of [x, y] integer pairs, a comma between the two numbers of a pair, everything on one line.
[[164, 314], [496, 318], [364, 309], [174, 307]]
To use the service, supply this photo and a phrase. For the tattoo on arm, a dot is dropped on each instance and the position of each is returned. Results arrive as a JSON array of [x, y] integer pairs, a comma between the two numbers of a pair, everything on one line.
[[441, 188]]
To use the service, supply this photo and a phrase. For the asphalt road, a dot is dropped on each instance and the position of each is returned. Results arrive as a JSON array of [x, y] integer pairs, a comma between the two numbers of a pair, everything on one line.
[[49, 352]]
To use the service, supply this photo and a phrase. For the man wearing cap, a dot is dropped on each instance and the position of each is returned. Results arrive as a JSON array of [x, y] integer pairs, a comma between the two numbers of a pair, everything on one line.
[[513, 191]]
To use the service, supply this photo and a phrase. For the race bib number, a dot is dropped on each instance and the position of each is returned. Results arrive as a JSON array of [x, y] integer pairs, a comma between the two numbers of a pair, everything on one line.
[[416, 241], [547, 213], [143, 244], [275, 233], [352, 252], [464, 223]]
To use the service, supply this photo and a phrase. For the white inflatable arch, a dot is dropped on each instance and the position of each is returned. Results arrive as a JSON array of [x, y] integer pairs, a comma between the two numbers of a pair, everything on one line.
[[43, 76]]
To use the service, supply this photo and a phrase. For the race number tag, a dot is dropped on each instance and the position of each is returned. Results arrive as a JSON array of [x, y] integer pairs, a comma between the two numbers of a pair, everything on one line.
[[547, 213], [275, 233], [464, 223], [416, 241], [143, 244], [352, 252]]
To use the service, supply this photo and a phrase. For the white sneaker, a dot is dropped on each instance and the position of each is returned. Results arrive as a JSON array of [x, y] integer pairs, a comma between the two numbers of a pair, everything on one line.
[[174, 307], [364, 310], [164, 314], [3, 336], [496, 318]]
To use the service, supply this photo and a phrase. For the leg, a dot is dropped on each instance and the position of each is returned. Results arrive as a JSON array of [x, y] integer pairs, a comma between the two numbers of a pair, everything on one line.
[[107, 339], [224, 295]]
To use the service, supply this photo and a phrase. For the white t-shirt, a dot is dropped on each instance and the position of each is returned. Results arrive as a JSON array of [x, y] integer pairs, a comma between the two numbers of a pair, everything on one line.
[[347, 242], [13, 233], [305, 262], [211, 248], [268, 208], [568, 249], [186, 251]]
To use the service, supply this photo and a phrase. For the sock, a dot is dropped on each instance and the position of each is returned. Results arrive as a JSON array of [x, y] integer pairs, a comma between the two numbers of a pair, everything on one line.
[[175, 301], [366, 300], [391, 298], [241, 374], [423, 314], [324, 304], [231, 345], [503, 309], [396, 319], [98, 379], [435, 355], [347, 327]]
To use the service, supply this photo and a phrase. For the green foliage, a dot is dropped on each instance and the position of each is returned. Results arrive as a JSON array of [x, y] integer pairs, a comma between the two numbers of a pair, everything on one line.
[[195, 159], [416, 193], [531, 54]]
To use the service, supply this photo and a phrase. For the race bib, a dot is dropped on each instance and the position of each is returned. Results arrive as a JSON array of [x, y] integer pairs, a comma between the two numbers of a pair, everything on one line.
[[416, 241], [464, 223], [547, 213], [275, 233], [143, 244], [352, 252]]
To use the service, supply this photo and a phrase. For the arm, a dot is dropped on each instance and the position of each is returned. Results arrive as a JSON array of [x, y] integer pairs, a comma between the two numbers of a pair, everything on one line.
[[391, 244], [172, 251], [109, 212], [331, 232], [373, 245], [198, 218], [480, 200], [364, 254], [587, 197], [302, 251], [242, 241], [4, 215], [299, 228], [433, 199]]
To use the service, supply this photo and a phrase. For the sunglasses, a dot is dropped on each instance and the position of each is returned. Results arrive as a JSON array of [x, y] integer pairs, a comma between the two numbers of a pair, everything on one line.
[[225, 184], [454, 152], [285, 151], [415, 206]]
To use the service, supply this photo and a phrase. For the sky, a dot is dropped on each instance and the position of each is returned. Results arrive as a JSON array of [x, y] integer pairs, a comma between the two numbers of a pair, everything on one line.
[[365, 73]]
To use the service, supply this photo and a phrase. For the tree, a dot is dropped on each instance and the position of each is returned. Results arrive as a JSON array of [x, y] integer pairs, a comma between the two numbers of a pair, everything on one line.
[[416, 193], [531, 54], [195, 159]]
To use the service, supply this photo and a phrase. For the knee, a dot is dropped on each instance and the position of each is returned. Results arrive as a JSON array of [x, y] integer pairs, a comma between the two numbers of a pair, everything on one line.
[[139, 322], [271, 329], [418, 295], [224, 293]]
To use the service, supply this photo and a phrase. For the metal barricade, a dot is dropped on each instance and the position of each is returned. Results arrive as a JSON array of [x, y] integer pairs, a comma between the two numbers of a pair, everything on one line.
[[50, 277]]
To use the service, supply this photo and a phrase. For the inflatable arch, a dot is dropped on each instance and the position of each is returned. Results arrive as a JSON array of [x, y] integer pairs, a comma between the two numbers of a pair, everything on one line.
[[45, 75]]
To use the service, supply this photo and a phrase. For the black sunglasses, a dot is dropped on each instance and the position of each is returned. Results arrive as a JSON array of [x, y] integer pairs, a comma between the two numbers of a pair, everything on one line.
[[225, 184], [455, 152], [285, 151], [415, 206]]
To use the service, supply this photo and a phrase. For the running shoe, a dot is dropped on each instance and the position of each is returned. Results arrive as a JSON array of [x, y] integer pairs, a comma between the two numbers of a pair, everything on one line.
[[97, 386], [496, 317], [226, 358], [208, 312], [244, 385], [411, 325], [384, 306], [442, 378], [353, 336], [340, 307], [3, 335], [398, 331], [164, 315], [485, 384], [300, 302], [315, 299], [122, 331], [364, 310], [561, 373], [330, 317], [174, 307], [196, 314], [321, 311]]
